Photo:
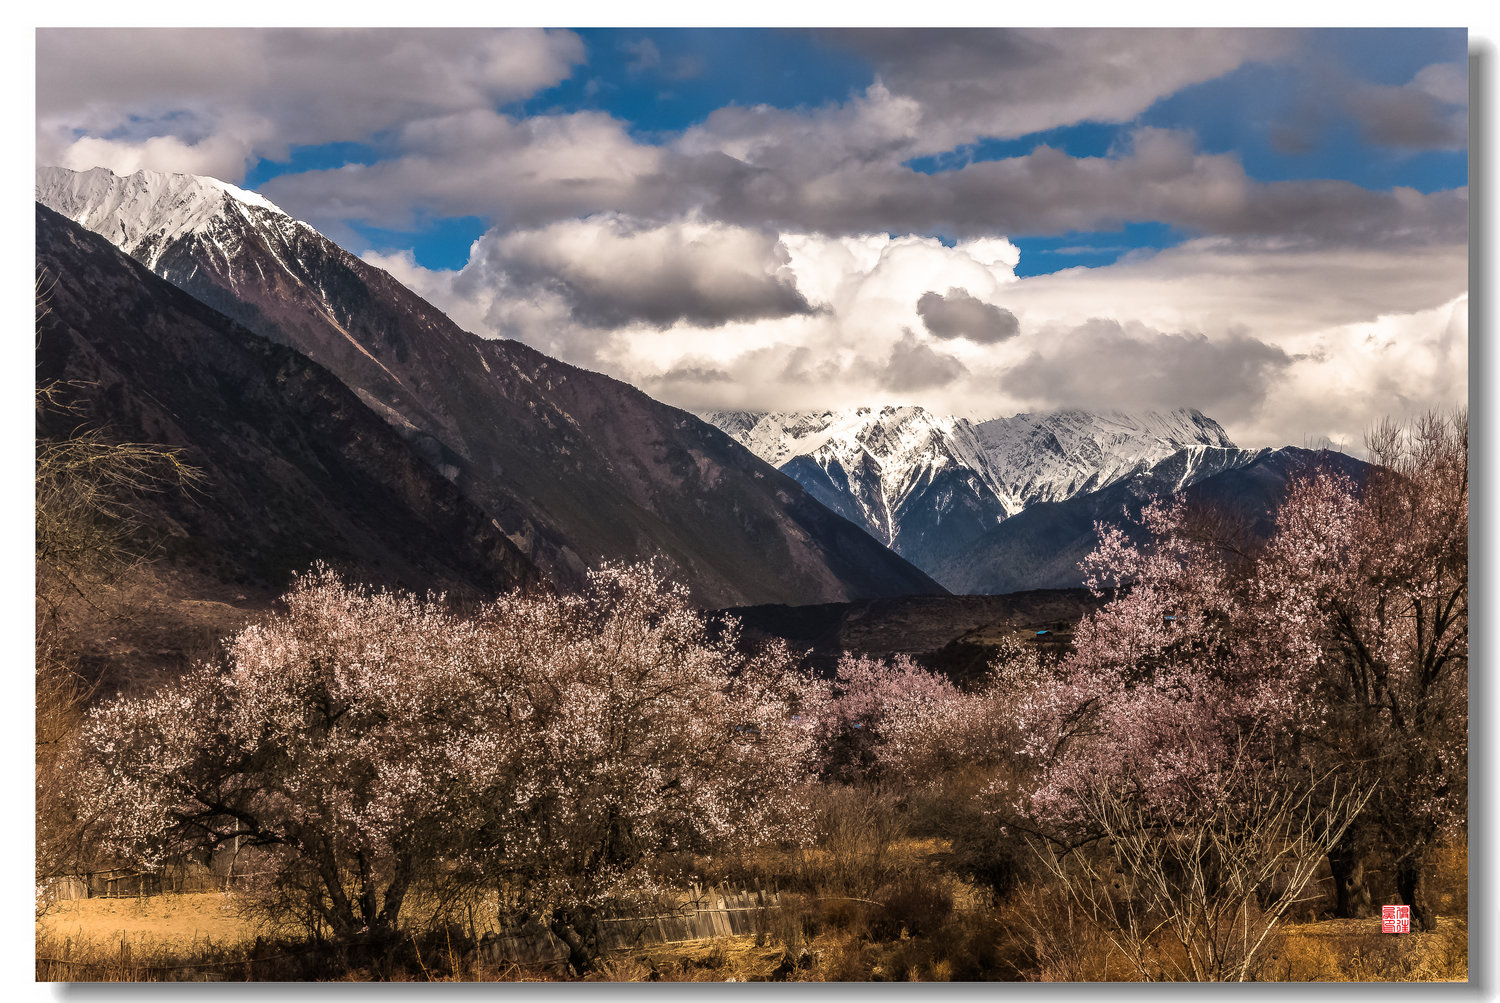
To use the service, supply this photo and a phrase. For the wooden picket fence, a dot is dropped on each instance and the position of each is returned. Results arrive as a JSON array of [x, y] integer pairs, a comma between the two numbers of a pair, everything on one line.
[[701, 914], [120, 882]]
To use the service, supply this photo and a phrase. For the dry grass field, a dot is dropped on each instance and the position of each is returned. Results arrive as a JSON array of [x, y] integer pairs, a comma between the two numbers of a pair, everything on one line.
[[165, 922], [206, 936]]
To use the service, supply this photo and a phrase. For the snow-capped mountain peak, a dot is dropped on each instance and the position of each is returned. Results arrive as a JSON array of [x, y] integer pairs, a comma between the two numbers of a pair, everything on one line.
[[241, 195], [146, 212], [900, 471], [901, 440], [922, 482]]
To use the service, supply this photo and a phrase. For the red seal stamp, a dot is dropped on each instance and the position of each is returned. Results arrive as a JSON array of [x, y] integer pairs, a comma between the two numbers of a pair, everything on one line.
[[1395, 919]]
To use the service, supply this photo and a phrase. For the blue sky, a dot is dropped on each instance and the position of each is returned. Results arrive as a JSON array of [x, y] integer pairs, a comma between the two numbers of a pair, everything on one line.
[[1270, 224], [662, 81]]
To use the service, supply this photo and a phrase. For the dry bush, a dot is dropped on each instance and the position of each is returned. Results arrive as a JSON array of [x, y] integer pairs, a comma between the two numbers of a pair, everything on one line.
[[855, 834], [793, 927], [1053, 940], [911, 906], [724, 959], [1449, 883], [1214, 879], [122, 959], [860, 843], [980, 847]]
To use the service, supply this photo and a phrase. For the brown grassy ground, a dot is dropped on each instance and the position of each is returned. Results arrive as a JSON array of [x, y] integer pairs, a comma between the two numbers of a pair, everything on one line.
[[188, 936], [198, 936], [1354, 950], [168, 922]]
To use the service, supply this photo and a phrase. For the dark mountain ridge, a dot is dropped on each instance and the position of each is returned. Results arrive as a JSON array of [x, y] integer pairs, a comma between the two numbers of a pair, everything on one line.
[[1042, 546], [295, 468]]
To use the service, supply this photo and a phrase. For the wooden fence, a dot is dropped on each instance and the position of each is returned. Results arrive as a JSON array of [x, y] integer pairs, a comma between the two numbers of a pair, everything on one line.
[[701, 914], [120, 882]]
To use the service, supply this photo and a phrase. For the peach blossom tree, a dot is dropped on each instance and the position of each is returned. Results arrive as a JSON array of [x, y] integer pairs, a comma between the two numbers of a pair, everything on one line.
[[1386, 568], [1171, 743], [549, 747]]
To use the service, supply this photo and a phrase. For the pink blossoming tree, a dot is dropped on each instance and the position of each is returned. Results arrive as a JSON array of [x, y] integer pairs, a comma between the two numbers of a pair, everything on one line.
[[1172, 740], [1386, 570], [548, 747]]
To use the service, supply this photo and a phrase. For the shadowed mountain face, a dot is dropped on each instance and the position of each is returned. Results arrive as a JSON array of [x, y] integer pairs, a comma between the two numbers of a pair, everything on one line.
[[1043, 545], [577, 468], [295, 468], [952, 634]]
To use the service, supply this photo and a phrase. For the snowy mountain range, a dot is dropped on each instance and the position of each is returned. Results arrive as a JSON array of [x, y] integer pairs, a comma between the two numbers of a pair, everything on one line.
[[910, 477], [1053, 456], [926, 484]]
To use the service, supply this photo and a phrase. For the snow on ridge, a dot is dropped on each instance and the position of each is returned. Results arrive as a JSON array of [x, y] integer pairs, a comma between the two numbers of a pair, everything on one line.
[[1054, 455], [241, 195], [893, 451], [1028, 458], [145, 212]]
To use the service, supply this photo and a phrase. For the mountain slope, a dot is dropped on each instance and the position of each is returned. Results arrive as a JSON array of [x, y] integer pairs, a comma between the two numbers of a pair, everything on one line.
[[295, 468], [1042, 546], [577, 468]]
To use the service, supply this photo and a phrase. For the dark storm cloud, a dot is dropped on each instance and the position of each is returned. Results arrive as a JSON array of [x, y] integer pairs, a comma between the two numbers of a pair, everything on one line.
[[1429, 112], [917, 366], [527, 173], [694, 374], [612, 271], [209, 99], [1409, 117], [256, 92], [1104, 363], [957, 314], [1005, 82], [1161, 177]]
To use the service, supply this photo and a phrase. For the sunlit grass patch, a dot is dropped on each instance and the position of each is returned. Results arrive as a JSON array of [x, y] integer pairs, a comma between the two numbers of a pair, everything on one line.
[[1354, 950], [168, 922]]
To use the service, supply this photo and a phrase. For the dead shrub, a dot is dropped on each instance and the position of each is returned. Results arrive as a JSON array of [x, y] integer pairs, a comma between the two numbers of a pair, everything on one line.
[[913, 906], [855, 832]]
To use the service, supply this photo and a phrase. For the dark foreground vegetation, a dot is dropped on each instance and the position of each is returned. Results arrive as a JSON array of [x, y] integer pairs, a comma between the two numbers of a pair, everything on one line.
[[1248, 736]]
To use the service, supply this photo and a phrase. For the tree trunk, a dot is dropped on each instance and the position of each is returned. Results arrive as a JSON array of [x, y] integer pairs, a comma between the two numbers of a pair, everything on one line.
[[1413, 891], [1351, 895], [577, 931]]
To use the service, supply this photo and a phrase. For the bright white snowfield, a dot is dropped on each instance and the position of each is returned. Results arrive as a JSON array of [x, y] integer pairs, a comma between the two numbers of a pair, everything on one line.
[[1026, 459]]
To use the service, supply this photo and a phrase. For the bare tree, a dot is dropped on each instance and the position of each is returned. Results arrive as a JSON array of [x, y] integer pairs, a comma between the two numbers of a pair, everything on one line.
[[1212, 880], [88, 536]]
